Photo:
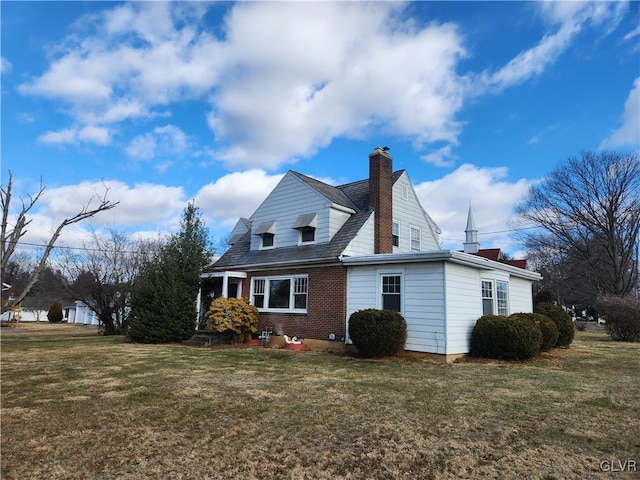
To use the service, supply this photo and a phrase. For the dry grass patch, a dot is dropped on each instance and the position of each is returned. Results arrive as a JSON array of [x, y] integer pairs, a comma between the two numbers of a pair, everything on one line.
[[79, 406]]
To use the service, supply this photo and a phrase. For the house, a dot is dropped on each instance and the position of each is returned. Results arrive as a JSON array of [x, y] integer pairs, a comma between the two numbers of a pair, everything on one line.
[[312, 254]]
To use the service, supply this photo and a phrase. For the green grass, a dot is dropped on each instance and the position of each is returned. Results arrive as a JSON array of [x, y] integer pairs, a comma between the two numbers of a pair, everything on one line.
[[79, 406]]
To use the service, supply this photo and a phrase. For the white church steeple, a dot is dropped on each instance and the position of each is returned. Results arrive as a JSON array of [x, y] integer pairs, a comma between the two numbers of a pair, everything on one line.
[[471, 244]]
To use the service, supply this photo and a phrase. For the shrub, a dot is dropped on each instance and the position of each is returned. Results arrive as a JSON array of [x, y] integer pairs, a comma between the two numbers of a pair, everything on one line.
[[496, 336], [377, 333], [55, 314], [623, 317], [233, 315], [547, 328], [563, 322]]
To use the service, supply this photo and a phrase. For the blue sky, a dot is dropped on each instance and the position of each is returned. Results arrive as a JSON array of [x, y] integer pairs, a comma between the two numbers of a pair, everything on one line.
[[163, 103]]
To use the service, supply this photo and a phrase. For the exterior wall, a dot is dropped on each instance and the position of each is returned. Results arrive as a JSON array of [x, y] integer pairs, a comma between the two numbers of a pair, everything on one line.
[[407, 211], [362, 243], [520, 295], [326, 304], [464, 306], [291, 198], [422, 300], [441, 301]]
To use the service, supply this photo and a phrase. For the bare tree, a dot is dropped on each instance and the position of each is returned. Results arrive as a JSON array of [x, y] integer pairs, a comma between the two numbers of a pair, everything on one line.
[[10, 235], [588, 214], [102, 275]]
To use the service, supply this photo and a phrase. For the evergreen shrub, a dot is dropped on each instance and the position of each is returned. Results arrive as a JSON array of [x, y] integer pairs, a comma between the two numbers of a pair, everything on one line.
[[55, 314], [377, 333], [562, 319], [547, 328], [497, 336]]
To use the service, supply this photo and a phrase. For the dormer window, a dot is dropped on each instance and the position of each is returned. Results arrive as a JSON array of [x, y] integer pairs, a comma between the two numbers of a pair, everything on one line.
[[306, 224], [267, 240], [266, 231]]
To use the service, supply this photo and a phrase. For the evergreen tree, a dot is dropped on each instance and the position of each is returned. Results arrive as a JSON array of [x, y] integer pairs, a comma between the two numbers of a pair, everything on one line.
[[163, 305]]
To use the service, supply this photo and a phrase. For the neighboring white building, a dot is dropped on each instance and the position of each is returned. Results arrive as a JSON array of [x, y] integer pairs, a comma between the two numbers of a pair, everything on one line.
[[79, 312]]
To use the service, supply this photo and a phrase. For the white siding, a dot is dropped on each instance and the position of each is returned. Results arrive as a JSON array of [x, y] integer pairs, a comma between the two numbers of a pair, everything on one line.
[[520, 295], [424, 307], [464, 306], [337, 219], [362, 243], [422, 299], [290, 199], [408, 211]]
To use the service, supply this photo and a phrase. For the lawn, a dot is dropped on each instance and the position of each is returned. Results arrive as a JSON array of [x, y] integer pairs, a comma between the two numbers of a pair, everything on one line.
[[76, 405]]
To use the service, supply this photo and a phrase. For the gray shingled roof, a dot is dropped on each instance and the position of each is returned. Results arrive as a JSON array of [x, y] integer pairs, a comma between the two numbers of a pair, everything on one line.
[[353, 195], [240, 255]]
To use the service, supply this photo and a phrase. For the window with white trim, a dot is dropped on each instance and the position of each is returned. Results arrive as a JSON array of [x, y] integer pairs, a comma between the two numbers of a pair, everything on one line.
[[307, 235], [416, 235], [502, 297], [395, 232], [487, 297], [267, 240], [391, 292], [281, 293]]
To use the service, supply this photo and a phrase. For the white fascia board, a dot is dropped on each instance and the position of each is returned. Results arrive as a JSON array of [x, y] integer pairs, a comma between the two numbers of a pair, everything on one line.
[[452, 256], [225, 273]]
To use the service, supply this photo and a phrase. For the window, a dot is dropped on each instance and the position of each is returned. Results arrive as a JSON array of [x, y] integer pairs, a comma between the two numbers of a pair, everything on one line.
[[502, 297], [307, 235], [267, 240], [415, 239], [258, 292], [300, 287], [391, 292], [286, 293], [487, 298], [306, 224], [405, 191], [396, 234]]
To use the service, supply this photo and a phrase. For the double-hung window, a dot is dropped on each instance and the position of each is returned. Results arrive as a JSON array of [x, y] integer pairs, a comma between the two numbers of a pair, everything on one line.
[[495, 301], [395, 232], [415, 239], [487, 297], [502, 297], [391, 291], [281, 293]]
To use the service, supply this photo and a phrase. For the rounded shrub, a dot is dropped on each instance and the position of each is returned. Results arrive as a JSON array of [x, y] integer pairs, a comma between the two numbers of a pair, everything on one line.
[[377, 333], [563, 321], [547, 328], [55, 314], [233, 315], [496, 336]]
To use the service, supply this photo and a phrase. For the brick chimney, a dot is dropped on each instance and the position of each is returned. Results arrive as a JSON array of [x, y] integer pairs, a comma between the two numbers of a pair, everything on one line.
[[380, 199]]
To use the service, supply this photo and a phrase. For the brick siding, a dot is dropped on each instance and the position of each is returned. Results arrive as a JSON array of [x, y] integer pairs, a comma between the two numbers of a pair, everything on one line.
[[326, 304]]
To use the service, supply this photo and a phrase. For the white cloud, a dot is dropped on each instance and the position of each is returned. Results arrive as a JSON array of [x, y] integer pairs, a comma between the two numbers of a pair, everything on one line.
[[571, 18], [235, 195], [5, 66], [627, 134], [164, 141], [74, 135], [492, 199], [443, 157]]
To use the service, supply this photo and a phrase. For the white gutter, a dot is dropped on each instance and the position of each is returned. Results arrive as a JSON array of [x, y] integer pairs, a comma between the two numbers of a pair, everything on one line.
[[452, 256]]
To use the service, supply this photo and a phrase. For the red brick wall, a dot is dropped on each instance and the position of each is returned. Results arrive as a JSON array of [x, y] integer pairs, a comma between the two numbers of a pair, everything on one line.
[[326, 304], [380, 199]]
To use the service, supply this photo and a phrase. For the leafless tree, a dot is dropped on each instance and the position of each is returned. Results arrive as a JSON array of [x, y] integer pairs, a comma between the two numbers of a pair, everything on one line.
[[11, 233], [102, 275], [588, 214]]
